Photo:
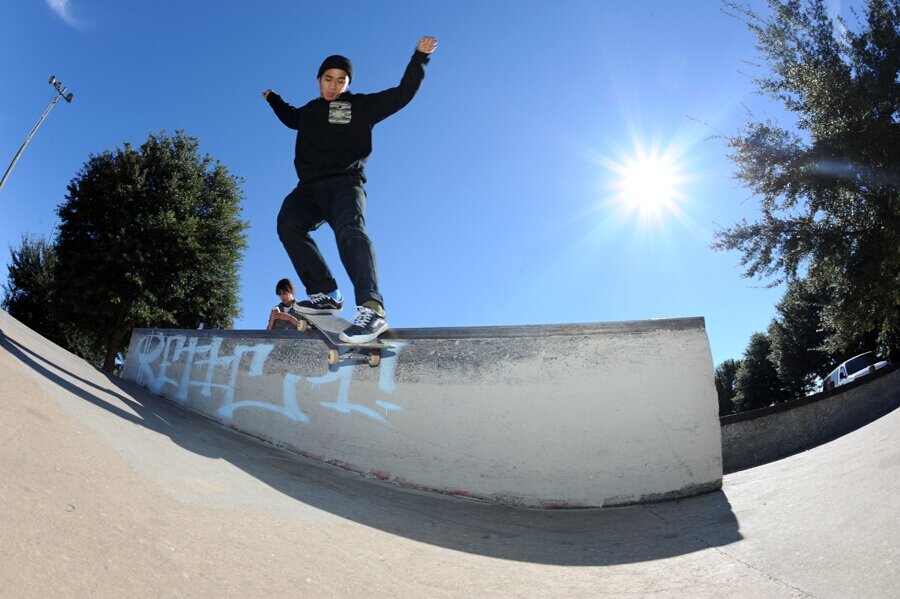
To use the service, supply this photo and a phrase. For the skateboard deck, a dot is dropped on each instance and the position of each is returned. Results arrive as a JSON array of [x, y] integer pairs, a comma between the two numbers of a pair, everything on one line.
[[331, 326]]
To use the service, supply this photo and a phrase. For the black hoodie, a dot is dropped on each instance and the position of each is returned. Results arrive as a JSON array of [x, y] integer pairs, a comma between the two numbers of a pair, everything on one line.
[[335, 138]]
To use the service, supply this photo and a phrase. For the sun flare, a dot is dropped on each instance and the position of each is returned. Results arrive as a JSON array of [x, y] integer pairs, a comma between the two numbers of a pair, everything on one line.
[[648, 184]]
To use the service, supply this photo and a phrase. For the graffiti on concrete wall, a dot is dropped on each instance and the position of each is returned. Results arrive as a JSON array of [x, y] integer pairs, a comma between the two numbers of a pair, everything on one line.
[[177, 365]]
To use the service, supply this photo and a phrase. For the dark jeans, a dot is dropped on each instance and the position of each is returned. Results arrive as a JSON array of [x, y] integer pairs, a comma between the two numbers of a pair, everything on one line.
[[341, 202]]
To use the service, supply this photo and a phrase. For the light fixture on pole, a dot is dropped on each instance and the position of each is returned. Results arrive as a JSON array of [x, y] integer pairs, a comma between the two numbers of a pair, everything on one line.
[[60, 93]]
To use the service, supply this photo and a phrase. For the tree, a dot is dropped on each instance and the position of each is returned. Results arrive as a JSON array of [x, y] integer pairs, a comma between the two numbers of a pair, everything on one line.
[[29, 293], [830, 192], [757, 383], [151, 238], [32, 296], [797, 337], [726, 381]]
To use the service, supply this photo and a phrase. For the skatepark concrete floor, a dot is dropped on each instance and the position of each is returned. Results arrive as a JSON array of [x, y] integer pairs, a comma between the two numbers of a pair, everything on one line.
[[108, 491]]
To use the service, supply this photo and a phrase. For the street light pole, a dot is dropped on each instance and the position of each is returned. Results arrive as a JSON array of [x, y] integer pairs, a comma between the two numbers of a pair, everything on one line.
[[60, 93]]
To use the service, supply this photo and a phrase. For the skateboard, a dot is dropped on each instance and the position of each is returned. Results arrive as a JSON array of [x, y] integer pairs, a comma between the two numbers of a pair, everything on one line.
[[331, 326]]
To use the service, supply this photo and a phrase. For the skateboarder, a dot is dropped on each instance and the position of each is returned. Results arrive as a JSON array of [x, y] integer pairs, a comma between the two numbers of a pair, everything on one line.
[[334, 141], [285, 315]]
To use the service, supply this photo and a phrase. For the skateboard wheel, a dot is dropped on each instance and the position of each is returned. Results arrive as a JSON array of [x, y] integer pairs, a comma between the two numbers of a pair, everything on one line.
[[374, 359], [332, 357], [302, 325]]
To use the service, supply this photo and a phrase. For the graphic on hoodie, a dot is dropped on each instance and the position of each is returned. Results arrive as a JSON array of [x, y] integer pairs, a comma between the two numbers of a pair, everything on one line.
[[339, 112]]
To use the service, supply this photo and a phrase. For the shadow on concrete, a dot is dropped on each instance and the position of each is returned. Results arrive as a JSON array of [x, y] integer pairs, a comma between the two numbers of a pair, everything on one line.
[[559, 537]]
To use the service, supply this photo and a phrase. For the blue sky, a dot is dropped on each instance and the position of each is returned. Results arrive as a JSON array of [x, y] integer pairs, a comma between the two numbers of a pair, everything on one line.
[[504, 194]]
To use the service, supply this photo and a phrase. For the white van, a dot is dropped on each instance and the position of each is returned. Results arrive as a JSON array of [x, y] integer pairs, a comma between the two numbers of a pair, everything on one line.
[[852, 369]]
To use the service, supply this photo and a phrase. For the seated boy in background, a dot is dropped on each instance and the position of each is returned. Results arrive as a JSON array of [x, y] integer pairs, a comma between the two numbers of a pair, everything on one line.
[[284, 315]]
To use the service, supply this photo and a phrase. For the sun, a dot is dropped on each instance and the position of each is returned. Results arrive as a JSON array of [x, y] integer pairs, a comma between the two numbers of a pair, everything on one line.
[[648, 183]]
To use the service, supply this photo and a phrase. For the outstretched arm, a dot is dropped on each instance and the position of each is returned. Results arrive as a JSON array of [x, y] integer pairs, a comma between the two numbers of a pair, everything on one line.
[[389, 101], [286, 113]]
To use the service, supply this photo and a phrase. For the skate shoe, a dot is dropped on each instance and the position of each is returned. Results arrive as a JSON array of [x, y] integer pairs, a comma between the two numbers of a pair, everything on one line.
[[320, 303], [366, 326]]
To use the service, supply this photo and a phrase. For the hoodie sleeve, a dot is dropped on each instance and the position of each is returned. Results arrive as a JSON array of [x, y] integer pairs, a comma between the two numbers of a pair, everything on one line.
[[286, 113], [385, 103]]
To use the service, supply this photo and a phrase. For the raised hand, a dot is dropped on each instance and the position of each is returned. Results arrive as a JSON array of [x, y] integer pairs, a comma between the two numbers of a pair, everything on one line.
[[427, 45]]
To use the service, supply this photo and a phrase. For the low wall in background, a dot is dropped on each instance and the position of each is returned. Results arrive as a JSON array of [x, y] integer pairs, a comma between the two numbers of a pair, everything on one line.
[[540, 416], [760, 436]]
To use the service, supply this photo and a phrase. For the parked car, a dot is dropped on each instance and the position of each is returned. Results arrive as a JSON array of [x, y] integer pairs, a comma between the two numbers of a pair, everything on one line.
[[853, 369]]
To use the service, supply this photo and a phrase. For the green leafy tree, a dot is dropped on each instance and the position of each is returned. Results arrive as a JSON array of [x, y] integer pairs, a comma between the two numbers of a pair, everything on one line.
[[149, 237], [32, 296], [797, 337], [29, 294], [726, 382], [757, 384], [830, 184]]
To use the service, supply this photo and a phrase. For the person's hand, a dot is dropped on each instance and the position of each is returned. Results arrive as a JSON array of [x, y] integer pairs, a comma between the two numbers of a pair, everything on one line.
[[266, 93], [285, 316], [427, 45]]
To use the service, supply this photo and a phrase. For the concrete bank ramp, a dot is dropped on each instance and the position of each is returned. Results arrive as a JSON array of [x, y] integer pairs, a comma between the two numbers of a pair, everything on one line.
[[542, 416], [108, 491]]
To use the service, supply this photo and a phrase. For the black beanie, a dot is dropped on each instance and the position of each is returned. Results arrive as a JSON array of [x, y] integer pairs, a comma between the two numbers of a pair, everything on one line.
[[336, 61]]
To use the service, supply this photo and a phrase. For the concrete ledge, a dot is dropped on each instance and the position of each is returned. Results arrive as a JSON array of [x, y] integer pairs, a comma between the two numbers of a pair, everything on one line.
[[583, 415], [484, 332], [760, 436]]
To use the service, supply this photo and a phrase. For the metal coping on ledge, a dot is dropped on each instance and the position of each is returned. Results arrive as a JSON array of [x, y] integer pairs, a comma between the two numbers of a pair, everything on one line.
[[479, 332]]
